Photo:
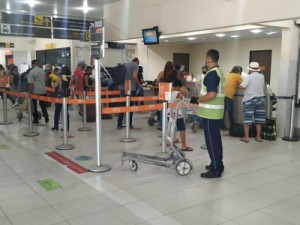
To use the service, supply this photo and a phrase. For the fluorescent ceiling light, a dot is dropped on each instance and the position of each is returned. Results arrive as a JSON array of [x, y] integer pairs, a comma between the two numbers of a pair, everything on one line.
[[256, 31], [235, 36], [220, 35], [272, 32], [191, 38]]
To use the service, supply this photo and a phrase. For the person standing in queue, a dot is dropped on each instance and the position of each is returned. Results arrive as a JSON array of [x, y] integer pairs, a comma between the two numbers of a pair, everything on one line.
[[62, 90], [132, 69], [37, 86], [211, 109]]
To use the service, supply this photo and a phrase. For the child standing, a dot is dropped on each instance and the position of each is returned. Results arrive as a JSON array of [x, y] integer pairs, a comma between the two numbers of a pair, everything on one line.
[[177, 93]]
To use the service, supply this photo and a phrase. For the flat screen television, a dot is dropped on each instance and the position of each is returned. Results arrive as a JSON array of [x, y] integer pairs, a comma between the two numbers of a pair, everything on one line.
[[151, 36]]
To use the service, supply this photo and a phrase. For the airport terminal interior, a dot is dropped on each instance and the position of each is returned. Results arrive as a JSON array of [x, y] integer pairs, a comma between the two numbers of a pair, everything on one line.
[[86, 176]]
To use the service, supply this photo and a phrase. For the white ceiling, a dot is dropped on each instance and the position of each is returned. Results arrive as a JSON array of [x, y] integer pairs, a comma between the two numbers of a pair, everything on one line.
[[65, 8], [71, 9]]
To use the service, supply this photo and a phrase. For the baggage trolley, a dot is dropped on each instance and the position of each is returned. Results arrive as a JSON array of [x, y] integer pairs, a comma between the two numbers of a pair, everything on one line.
[[175, 159]]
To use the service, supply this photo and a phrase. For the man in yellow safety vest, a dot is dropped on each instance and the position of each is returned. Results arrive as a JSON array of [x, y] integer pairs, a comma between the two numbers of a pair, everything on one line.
[[211, 109]]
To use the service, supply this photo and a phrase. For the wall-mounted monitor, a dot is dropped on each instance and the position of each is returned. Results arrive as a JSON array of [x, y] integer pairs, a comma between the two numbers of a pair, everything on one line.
[[151, 36]]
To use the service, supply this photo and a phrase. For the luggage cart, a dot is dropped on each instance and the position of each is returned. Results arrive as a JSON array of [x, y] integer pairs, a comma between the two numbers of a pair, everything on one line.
[[175, 159]]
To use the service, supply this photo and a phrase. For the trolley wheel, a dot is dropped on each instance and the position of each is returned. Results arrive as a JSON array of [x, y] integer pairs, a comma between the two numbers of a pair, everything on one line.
[[151, 121], [183, 167], [195, 127], [133, 165]]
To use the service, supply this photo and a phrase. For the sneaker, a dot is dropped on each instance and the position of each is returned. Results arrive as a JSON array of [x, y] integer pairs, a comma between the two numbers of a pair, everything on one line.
[[54, 128], [208, 167], [119, 127], [46, 119], [210, 174]]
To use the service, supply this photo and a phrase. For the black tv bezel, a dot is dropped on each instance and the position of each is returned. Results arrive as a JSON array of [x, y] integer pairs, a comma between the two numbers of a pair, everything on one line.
[[151, 29]]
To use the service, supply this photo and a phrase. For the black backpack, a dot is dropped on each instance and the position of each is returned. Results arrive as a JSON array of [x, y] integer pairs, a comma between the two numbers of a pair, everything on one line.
[[118, 74], [268, 131], [23, 81]]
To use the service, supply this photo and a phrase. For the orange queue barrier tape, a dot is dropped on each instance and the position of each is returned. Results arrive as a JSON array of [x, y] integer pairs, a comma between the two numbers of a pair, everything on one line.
[[88, 93], [17, 94], [46, 99], [114, 110]]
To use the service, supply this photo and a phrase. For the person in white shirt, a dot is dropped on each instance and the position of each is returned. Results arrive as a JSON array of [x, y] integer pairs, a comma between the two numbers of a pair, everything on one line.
[[253, 101]]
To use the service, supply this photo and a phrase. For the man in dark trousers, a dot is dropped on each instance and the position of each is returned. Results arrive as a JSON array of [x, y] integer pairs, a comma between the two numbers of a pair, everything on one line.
[[211, 109], [37, 86], [131, 76]]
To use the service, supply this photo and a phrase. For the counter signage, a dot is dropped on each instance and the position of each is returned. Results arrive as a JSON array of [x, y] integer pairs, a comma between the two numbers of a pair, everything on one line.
[[26, 20], [96, 42], [24, 31], [72, 24], [71, 35], [165, 91], [7, 45]]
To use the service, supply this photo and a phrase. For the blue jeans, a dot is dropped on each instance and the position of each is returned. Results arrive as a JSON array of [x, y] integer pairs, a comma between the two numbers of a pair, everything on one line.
[[58, 108], [121, 115]]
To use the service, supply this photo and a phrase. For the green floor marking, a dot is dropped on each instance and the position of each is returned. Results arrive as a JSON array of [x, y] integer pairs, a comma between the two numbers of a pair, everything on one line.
[[4, 147], [49, 184]]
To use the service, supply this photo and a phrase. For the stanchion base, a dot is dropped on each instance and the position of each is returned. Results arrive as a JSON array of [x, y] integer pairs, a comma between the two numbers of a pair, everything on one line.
[[99, 169], [293, 139], [31, 134], [84, 129], [127, 140], [203, 146], [65, 147], [5, 123]]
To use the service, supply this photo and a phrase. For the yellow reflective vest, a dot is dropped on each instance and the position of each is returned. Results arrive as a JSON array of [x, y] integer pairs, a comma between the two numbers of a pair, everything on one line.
[[213, 109]]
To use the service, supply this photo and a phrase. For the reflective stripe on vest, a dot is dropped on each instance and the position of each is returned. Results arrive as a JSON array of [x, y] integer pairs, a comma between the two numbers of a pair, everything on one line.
[[213, 109]]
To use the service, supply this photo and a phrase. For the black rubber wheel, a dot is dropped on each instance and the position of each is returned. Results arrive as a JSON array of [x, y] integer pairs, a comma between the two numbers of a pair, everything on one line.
[[151, 121], [133, 165]]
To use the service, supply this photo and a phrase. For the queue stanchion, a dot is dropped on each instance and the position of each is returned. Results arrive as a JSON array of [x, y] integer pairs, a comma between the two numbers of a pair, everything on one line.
[[99, 167], [31, 133], [164, 126], [291, 135], [84, 128], [127, 138], [5, 121], [60, 118], [65, 145]]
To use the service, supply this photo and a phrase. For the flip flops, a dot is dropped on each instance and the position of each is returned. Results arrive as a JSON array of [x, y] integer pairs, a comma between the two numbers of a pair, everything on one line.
[[243, 140], [258, 140], [187, 149]]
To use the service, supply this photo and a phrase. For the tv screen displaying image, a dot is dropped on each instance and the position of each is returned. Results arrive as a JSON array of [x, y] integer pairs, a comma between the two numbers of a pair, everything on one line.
[[151, 36]]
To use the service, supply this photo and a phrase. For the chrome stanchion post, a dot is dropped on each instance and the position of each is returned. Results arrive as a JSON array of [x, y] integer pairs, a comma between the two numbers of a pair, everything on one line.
[[290, 137], [31, 133], [65, 145], [84, 128], [127, 138], [99, 167], [164, 126], [60, 118], [5, 122]]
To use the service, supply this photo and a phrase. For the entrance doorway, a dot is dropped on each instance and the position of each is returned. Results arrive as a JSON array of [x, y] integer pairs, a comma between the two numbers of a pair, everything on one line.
[[264, 58]]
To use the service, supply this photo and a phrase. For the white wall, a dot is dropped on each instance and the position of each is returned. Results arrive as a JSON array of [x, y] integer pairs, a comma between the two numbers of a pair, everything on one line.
[[237, 53], [125, 19]]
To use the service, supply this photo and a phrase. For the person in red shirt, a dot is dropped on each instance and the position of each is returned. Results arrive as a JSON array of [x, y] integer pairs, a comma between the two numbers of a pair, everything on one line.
[[78, 77]]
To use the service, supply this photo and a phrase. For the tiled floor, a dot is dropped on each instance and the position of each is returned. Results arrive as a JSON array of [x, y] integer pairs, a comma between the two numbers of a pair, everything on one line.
[[260, 185]]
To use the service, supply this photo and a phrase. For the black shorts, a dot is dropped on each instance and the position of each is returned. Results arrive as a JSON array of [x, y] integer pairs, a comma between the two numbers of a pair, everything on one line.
[[180, 124]]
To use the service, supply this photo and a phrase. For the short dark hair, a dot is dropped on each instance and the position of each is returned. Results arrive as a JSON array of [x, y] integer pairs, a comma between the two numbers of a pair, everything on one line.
[[177, 83], [65, 70], [34, 62], [237, 69], [135, 60], [213, 54]]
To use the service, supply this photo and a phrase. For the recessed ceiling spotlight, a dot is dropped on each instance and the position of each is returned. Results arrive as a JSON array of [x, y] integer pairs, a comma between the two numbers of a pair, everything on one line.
[[235, 36], [85, 8], [221, 35], [272, 32], [256, 31], [32, 3], [191, 38]]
